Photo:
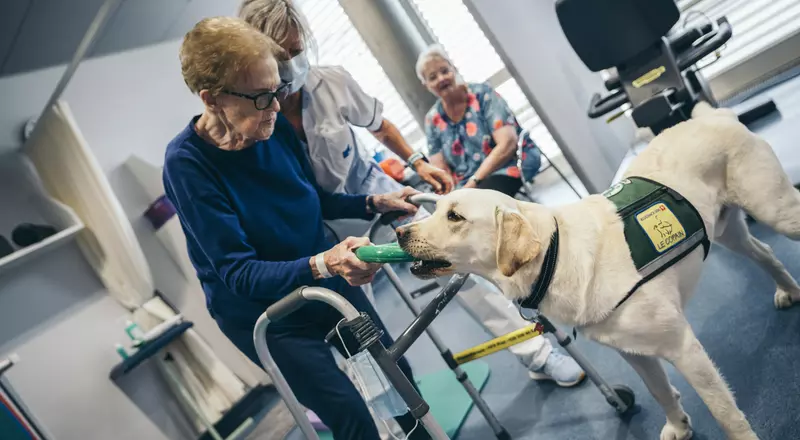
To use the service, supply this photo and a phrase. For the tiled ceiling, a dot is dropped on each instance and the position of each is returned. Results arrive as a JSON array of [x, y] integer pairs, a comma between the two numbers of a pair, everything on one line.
[[35, 34]]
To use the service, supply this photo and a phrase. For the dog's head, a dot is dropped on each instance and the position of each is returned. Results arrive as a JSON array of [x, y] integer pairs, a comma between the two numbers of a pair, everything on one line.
[[472, 231]]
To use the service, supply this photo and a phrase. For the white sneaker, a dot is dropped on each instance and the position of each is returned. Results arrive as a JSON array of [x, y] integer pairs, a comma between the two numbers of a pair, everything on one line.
[[561, 369]]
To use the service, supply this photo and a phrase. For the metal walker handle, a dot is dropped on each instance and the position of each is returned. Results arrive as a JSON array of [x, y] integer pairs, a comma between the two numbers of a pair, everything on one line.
[[286, 306], [387, 218]]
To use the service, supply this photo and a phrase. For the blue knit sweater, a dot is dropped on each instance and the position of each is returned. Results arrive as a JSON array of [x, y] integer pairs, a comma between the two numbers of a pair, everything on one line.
[[252, 219]]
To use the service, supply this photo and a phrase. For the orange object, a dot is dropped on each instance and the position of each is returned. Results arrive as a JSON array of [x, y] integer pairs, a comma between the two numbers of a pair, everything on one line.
[[394, 168]]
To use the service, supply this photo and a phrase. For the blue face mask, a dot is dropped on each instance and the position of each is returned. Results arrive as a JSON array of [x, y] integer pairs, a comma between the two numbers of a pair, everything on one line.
[[294, 72]]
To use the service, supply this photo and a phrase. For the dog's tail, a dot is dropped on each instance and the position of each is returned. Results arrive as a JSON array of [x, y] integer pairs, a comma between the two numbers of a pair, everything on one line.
[[703, 108]]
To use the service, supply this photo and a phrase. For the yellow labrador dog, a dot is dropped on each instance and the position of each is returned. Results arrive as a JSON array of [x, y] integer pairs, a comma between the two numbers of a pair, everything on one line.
[[712, 160]]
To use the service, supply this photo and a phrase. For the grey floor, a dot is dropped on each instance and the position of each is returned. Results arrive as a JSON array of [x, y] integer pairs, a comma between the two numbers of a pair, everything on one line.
[[756, 347]]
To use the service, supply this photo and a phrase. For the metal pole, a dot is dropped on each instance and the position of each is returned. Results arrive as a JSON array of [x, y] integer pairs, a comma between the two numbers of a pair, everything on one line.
[[416, 405], [604, 387], [433, 427], [566, 342], [260, 339], [498, 429], [525, 183], [100, 19], [385, 360], [426, 317]]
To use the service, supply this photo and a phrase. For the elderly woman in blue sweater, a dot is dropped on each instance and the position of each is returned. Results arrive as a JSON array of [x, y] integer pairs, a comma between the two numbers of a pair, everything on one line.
[[252, 214]]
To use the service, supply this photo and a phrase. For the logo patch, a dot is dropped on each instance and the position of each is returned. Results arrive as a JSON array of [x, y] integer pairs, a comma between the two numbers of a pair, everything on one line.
[[346, 151], [661, 226], [614, 190]]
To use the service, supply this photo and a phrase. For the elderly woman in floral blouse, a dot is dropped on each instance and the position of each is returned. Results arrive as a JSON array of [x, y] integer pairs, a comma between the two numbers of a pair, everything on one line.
[[472, 131], [474, 135]]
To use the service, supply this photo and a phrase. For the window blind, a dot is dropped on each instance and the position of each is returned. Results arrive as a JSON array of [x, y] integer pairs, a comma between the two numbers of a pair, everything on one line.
[[456, 30], [339, 43], [757, 25]]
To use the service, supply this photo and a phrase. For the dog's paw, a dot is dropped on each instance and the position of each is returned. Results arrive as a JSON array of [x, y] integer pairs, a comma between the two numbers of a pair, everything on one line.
[[681, 431], [783, 299]]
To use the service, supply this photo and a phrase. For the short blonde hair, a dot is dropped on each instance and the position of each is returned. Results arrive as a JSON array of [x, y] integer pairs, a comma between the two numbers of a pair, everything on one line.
[[218, 49], [276, 18]]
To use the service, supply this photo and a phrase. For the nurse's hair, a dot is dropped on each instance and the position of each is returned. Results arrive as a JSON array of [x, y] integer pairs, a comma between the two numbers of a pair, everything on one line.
[[276, 19], [216, 51], [431, 52]]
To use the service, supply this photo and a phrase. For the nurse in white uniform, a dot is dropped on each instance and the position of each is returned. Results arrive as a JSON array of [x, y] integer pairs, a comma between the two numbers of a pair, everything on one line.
[[323, 105]]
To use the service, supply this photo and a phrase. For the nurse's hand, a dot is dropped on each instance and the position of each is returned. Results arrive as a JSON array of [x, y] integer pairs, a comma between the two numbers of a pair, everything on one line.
[[438, 178], [396, 201], [341, 260]]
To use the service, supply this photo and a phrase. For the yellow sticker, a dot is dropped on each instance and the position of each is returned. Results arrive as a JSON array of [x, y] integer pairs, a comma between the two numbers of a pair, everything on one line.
[[661, 226], [649, 77]]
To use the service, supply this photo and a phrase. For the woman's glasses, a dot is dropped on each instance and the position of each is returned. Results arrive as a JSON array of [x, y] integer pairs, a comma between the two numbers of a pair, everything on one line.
[[264, 99]]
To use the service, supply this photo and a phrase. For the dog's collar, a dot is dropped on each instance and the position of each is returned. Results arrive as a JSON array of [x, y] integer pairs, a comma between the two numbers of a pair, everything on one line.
[[539, 288]]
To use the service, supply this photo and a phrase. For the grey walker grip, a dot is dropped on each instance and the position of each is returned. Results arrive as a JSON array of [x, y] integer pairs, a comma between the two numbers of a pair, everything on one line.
[[286, 305]]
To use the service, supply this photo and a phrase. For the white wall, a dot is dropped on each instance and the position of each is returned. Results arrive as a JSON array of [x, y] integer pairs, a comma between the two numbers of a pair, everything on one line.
[[529, 38], [21, 97], [57, 317], [54, 312], [134, 102]]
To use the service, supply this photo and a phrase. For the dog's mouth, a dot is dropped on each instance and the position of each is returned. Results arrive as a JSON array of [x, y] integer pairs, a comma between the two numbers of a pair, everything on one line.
[[427, 269], [427, 264]]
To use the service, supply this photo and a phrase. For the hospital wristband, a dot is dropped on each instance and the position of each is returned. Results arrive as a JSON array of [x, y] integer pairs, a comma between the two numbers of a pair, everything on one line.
[[415, 157], [322, 268]]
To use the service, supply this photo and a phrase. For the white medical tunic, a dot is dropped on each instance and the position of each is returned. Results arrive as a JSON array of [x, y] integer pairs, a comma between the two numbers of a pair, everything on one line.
[[332, 103]]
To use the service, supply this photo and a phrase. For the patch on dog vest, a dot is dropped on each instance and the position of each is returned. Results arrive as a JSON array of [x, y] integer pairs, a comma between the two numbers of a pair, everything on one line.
[[661, 226]]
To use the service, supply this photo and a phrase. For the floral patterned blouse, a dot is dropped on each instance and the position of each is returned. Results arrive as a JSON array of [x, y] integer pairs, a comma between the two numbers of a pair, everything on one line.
[[466, 143]]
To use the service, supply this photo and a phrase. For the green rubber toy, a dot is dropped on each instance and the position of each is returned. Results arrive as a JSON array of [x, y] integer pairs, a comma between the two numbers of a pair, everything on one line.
[[384, 253]]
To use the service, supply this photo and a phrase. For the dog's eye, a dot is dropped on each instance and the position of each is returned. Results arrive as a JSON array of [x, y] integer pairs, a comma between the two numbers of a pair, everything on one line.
[[453, 217]]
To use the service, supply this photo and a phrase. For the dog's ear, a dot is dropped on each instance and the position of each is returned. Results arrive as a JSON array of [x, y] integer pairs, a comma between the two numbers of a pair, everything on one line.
[[517, 243]]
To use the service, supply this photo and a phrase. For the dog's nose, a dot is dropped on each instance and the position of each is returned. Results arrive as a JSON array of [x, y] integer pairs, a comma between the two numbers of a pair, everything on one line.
[[401, 231]]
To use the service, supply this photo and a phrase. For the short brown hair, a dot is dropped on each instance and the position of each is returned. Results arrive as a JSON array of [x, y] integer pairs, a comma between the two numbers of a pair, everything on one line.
[[218, 49], [276, 18]]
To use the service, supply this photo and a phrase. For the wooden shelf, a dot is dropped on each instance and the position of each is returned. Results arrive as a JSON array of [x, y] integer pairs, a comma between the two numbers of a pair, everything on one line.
[[23, 199]]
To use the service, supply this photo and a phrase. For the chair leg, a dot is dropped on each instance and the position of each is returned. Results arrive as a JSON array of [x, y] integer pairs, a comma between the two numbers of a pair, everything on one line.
[[525, 196], [563, 177]]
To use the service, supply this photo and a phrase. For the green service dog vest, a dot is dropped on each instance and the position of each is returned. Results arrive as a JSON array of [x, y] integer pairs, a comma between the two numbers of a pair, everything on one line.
[[661, 226]]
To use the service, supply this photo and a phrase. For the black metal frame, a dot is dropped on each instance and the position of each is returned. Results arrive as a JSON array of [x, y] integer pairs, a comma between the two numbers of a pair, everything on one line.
[[620, 397], [656, 76], [527, 187]]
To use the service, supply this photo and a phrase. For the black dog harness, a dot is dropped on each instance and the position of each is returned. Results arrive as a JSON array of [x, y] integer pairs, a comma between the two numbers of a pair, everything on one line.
[[661, 227]]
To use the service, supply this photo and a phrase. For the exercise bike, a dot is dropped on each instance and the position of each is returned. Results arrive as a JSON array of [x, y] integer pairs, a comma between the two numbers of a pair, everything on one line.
[[654, 66]]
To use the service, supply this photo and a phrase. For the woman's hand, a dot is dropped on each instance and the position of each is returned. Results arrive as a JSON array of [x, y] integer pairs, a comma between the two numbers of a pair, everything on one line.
[[470, 184], [438, 178], [396, 201], [341, 260]]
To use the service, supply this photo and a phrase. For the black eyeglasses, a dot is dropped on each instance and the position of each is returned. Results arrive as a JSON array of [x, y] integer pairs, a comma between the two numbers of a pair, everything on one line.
[[264, 99]]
